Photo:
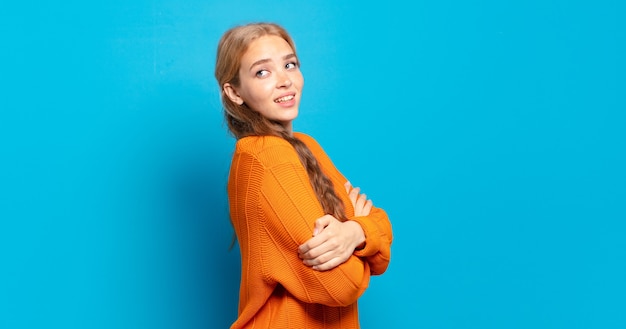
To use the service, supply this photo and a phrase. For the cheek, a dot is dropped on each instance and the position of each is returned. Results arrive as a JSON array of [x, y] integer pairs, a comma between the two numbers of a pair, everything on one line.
[[257, 93], [250, 90], [266, 90], [299, 80]]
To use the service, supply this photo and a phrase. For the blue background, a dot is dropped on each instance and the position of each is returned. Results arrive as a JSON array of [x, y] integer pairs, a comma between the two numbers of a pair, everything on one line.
[[492, 132]]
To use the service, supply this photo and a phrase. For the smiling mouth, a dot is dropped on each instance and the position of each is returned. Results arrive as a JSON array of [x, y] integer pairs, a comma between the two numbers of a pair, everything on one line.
[[284, 99]]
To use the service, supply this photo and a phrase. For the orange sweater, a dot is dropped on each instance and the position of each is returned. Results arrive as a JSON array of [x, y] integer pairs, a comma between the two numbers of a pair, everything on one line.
[[273, 208]]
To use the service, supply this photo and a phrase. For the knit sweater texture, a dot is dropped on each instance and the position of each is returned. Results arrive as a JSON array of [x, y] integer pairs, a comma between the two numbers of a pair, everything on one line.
[[273, 209]]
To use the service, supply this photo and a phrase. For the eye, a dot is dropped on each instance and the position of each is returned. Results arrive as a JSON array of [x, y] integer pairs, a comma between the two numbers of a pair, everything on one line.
[[262, 73], [291, 65]]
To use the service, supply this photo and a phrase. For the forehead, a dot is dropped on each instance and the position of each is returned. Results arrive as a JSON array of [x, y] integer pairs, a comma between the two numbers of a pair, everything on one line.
[[266, 47]]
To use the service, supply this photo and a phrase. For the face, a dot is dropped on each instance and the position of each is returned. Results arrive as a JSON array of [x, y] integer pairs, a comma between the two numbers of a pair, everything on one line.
[[270, 80]]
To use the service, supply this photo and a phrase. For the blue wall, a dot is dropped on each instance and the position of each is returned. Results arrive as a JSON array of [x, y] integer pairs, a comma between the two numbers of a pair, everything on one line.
[[493, 133]]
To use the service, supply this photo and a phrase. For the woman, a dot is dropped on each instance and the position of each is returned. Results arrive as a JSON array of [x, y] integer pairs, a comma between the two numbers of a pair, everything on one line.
[[309, 241]]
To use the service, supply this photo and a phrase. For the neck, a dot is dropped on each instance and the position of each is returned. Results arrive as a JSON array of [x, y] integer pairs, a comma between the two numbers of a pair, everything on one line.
[[289, 128]]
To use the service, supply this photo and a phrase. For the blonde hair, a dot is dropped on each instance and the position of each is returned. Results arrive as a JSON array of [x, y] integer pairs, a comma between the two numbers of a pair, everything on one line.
[[242, 121]]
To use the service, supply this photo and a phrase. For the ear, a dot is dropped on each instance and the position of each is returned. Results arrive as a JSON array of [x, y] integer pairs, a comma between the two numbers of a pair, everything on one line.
[[231, 93]]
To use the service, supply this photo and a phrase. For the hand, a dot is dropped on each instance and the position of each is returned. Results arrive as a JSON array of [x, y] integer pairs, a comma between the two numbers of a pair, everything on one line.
[[332, 244], [362, 206]]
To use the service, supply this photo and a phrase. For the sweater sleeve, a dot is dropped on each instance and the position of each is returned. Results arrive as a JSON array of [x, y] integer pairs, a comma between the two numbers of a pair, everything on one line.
[[376, 225], [289, 209], [378, 238]]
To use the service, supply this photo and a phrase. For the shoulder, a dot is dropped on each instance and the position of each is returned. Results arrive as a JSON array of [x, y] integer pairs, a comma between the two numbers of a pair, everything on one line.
[[309, 141], [312, 144], [268, 150], [319, 153]]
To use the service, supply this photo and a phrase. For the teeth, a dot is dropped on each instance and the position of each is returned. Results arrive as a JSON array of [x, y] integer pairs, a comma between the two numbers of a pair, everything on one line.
[[284, 99]]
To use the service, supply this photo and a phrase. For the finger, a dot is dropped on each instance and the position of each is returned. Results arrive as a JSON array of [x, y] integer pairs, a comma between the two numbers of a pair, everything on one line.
[[326, 241], [318, 248], [324, 253], [329, 265], [312, 243], [368, 207], [317, 239], [353, 195], [321, 223], [326, 266], [360, 202], [348, 186], [321, 258]]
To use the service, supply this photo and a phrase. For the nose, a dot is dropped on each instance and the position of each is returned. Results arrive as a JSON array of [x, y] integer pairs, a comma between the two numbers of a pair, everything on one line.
[[283, 80]]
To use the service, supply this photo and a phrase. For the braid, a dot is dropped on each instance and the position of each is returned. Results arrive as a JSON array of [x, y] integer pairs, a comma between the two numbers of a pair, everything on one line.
[[322, 185], [257, 125]]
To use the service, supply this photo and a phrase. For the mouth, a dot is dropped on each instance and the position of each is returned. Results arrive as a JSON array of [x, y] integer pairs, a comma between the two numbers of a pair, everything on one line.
[[284, 99]]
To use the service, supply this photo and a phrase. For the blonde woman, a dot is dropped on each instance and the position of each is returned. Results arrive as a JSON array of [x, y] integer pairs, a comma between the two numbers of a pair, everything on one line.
[[309, 241]]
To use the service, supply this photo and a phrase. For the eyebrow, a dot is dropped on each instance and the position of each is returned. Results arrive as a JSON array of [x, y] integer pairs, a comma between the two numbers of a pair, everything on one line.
[[265, 60]]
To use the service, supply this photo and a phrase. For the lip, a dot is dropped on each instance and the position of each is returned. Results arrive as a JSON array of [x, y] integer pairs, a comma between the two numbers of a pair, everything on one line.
[[288, 103]]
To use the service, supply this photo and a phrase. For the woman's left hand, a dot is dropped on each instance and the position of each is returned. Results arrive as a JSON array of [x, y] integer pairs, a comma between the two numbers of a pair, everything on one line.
[[333, 243]]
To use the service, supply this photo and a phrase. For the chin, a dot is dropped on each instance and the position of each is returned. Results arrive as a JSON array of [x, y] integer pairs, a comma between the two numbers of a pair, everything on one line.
[[292, 115]]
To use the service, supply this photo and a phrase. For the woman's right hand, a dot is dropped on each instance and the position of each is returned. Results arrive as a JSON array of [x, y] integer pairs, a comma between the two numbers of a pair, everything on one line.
[[362, 206]]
